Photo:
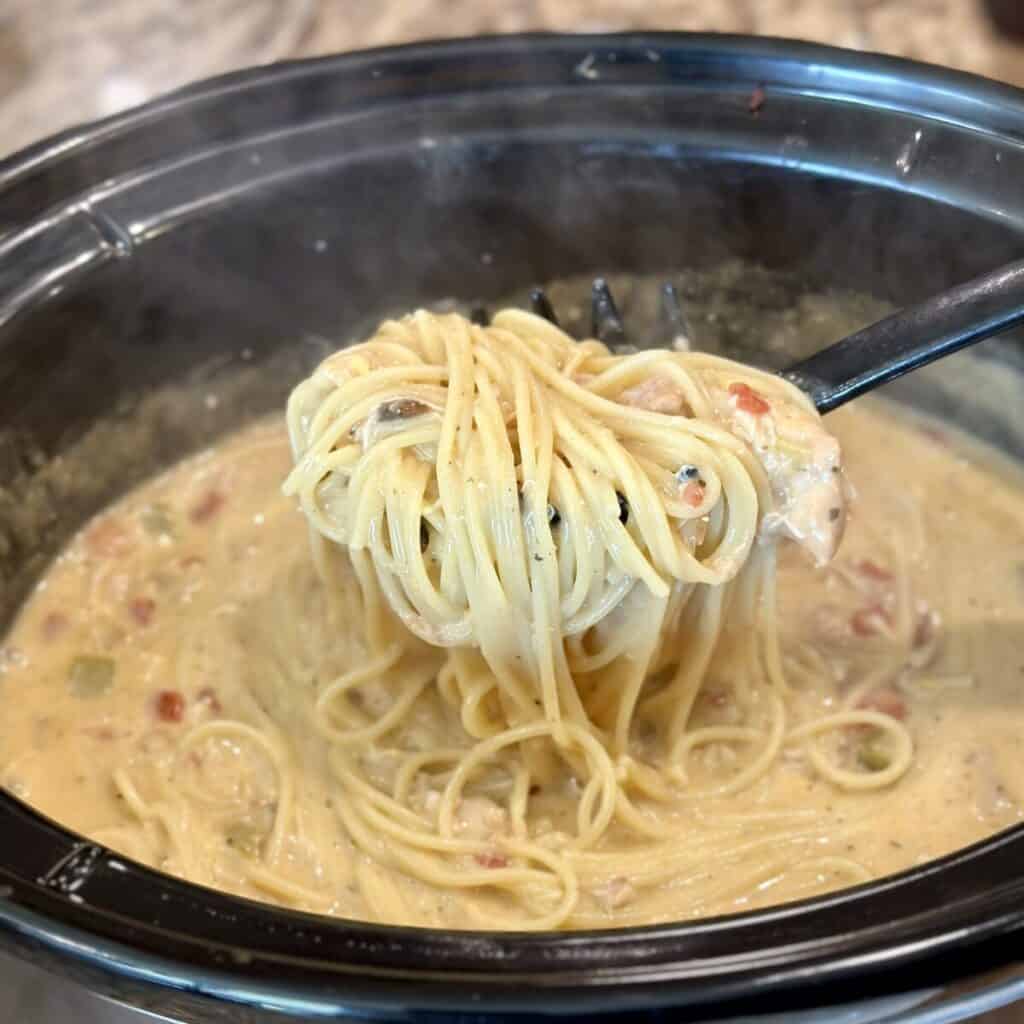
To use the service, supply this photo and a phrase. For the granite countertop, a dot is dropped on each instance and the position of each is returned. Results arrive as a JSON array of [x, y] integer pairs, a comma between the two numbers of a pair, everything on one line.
[[66, 61]]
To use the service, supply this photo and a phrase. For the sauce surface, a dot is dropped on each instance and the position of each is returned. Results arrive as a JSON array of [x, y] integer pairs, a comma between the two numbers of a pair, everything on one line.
[[159, 690]]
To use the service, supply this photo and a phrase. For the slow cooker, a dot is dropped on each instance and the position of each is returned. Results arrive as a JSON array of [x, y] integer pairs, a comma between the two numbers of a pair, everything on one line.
[[167, 274]]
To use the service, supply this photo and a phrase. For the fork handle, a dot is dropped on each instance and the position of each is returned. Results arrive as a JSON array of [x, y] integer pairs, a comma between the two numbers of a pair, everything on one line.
[[913, 337]]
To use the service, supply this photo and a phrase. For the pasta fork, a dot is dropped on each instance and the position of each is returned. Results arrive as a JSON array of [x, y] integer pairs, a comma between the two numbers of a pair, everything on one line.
[[897, 344]]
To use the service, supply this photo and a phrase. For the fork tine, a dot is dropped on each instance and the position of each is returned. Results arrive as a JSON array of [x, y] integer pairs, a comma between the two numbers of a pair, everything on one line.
[[541, 305], [607, 324], [674, 326]]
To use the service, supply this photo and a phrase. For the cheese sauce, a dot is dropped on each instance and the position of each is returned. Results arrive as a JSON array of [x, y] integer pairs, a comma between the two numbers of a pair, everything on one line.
[[159, 689]]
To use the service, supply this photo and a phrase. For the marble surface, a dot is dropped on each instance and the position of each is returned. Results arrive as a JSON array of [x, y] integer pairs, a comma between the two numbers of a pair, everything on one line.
[[67, 61]]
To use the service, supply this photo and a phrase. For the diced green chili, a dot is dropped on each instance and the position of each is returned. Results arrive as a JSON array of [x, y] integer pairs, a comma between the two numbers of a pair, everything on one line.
[[245, 838], [91, 675], [156, 520], [872, 757]]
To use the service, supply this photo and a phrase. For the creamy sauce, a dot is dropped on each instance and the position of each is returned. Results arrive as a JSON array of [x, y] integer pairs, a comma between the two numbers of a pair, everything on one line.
[[193, 603]]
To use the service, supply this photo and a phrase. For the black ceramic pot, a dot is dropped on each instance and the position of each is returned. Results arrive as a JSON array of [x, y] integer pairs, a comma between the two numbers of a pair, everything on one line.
[[212, 241]]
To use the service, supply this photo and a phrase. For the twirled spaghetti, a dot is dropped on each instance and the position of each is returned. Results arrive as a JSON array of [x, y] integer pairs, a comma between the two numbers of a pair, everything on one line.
[[579, 532]]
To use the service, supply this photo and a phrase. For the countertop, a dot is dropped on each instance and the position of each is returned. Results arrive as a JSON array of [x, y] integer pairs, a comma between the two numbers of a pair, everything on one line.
[[67, 61]]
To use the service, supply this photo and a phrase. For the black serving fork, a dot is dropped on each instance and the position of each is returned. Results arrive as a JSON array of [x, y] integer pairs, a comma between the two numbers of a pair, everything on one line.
[[904, 341]]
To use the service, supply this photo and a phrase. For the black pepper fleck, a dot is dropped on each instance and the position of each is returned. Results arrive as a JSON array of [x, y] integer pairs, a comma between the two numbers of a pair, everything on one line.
[[623, 508]]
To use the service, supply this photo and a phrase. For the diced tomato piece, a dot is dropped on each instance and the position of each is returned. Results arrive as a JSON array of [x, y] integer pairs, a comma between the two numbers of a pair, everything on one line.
[[693, 494], [936, 435], [104, 733], [885, 701], [170, 706], [107, 538], [874, 571], [748, 400], [717, 698], [208, 506], [142, 610], [869, 621], [491, 860], [208, 696], [53, 625]]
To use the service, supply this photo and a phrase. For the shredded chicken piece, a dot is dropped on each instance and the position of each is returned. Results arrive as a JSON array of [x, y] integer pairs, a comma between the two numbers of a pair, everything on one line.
[[656, 394], [886, 701], [803, 463], [927, 636], [480, 818], [801, 458], [614, 893]]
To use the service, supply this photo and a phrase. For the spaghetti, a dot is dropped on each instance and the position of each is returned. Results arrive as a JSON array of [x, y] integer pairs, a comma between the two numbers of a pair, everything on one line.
[[554, 548]]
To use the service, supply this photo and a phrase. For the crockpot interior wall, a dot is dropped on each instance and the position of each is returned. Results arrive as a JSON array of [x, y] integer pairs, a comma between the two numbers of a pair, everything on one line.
[[210, 322]]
